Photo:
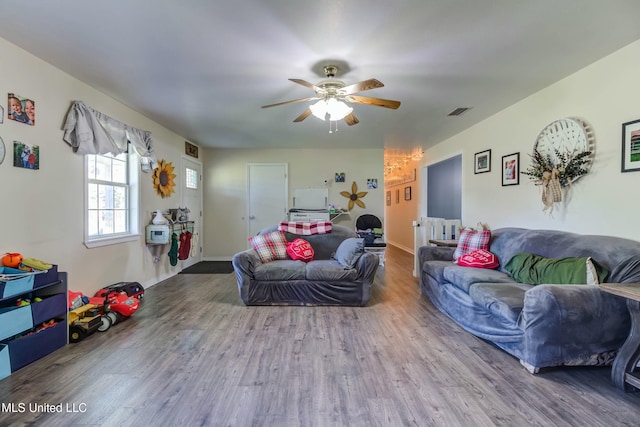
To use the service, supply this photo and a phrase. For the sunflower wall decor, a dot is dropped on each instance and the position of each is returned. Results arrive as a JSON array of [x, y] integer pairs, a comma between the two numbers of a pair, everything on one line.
[[355, 196], [163, 179]]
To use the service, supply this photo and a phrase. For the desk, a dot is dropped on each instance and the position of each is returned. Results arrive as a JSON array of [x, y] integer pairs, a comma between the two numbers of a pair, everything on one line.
[[451, 243], [624, 365]]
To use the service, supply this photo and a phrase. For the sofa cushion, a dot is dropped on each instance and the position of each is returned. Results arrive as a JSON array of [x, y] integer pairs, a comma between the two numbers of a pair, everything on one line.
[[300, 249], [329, 271], [536, 270], [464, 277], [504, 300], [280, 270], [470, 241], [480, 259], [349, 252], [270, 246]]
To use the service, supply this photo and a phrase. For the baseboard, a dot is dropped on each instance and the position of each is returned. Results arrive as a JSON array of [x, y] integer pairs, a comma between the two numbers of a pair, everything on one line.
[[151, 282], [217, 258], [401, 247]]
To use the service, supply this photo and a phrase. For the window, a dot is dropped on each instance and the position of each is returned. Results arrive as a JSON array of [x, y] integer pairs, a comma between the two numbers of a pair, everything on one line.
[[111, 200], [191, 178]]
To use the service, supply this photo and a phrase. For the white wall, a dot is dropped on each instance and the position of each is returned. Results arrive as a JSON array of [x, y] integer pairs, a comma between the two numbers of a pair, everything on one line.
[[225, 187], [42, 211], [605, 95]]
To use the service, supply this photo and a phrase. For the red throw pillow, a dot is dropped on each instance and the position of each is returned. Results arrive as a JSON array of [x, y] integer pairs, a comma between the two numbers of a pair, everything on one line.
[[300, 249], [479, 259], [470, 241]]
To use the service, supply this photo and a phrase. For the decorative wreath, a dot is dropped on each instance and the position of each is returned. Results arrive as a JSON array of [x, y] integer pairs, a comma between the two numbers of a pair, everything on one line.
[[354, 197], [555, 174], [567, 166], [163, 179]]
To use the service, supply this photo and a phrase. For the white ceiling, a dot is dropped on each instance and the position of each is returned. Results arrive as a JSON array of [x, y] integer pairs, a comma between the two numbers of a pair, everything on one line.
[[203, 68]]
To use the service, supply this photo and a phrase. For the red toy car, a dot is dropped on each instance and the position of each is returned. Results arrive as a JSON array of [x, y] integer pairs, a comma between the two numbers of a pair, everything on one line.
[[132, 289], [122, 305]]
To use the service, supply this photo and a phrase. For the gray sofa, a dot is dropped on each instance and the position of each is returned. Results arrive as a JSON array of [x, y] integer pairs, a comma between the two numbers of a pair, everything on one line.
[[323, 281], [543, 325]]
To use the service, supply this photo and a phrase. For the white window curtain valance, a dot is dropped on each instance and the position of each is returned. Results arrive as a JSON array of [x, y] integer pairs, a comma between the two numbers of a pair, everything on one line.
[[89, 131]]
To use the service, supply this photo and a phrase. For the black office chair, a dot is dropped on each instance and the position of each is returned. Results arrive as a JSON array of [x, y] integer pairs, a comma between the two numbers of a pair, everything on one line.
[[369, 227]]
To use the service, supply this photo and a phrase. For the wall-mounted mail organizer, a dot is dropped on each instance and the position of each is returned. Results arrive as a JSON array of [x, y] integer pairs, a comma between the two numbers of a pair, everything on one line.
[[160, 234]]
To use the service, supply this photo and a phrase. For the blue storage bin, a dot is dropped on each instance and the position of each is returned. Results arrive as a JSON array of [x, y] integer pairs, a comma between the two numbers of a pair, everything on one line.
[[30, 348], [48, 308], [50, 276], [14, 320], [5, 361], [9, 288]]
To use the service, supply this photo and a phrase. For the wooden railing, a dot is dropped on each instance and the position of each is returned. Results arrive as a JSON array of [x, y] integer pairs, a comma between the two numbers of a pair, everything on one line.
[[427, 229]]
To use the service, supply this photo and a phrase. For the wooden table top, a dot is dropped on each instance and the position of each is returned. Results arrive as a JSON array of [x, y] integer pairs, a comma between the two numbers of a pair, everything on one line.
[[627, 290]]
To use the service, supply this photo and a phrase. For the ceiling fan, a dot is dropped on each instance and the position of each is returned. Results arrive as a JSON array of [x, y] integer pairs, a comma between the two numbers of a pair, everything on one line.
[[332, 96]]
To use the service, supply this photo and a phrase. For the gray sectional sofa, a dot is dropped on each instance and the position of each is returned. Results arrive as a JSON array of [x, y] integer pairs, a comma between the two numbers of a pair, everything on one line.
[[340, 274], [543, 325]]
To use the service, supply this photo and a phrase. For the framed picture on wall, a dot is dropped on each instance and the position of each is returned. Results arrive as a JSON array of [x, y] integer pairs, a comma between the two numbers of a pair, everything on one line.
[[388, 198], [511, 169], [407, 193], [482, 162], [21, 109], [398, 196], [631, 146]]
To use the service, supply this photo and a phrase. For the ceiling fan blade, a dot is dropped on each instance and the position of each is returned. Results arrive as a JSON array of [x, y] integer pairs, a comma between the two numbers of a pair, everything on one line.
[[290, 102], [303, 116], [377, 102], [362, 86], [306, 84], [351, 120]]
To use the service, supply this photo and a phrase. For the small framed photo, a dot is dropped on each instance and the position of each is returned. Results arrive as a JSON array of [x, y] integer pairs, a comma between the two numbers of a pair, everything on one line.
[[482, 162], [21, 109], [511, 169], [26, 156], [388, 198], [372, 183], [397, 196], [407, 193], [340, 177], [631, 146], [190, 149]]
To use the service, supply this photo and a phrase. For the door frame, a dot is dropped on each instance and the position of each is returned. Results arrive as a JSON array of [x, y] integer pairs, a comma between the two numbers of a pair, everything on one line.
[[248, 189], [198, 221]]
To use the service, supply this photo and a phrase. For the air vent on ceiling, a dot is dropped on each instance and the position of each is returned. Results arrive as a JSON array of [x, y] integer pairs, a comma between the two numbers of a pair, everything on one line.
[[458, 111]]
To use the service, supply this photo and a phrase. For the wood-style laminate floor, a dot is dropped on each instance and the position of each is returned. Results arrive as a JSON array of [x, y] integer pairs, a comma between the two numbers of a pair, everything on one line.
[[195, 356]]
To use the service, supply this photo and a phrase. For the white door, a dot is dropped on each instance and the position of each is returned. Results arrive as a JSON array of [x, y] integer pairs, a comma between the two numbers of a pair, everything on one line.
[[191, 197], [268, 195]]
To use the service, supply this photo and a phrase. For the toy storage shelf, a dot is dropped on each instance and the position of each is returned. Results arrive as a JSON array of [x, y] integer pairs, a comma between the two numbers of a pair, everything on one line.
[[23, 339]]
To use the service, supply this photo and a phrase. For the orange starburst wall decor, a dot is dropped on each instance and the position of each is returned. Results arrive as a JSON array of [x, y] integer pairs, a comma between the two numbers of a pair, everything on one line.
[[355, 196], [163, 179]]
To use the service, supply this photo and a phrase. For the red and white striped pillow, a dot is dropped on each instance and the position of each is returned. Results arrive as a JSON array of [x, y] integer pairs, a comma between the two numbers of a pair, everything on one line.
[[470, 241], [270, 246]]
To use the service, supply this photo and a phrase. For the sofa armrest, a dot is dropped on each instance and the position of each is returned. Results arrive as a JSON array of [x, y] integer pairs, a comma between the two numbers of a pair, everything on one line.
[[559, 317], [367, 266], [435, 253], [244, 264]]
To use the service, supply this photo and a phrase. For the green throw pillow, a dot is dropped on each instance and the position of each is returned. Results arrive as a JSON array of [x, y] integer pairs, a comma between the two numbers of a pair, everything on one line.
[[537, 270]]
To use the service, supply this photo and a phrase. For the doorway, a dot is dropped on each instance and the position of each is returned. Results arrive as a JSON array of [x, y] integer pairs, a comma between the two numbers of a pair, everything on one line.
[[443, 189], [268, 195], [191, 198]]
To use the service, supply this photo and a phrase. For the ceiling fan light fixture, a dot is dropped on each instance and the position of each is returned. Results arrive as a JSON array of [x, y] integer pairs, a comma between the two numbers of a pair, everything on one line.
[[337, 110], [319, 109]]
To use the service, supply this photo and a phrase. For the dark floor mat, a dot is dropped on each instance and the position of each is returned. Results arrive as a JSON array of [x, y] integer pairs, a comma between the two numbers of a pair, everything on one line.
[[209, 267]]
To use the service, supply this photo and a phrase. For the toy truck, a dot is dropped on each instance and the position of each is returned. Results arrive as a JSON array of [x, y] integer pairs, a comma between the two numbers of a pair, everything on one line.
[[84, 321]]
